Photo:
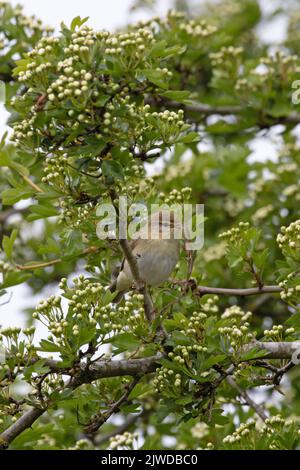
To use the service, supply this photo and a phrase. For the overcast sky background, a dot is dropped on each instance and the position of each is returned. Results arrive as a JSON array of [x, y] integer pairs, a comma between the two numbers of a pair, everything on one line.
[[110, 15]]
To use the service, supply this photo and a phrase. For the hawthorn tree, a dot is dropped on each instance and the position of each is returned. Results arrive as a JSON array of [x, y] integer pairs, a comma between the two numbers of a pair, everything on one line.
[[188, 364]]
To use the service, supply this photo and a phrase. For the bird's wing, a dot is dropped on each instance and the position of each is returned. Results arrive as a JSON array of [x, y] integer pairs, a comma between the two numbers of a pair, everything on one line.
[[132, 245]]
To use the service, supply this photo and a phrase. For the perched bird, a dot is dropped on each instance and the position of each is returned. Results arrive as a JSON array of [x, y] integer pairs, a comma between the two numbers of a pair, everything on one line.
[[157, 251]]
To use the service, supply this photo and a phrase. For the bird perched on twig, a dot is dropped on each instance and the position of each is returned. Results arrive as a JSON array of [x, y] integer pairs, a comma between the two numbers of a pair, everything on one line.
[[157, 252]]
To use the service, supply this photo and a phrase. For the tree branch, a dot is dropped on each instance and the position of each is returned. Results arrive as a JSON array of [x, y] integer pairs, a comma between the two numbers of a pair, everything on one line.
[[104, 369], [86, 374], [23, 423], [101, 418], [207, 110], [202, 290], [31, 183], [257, 408]]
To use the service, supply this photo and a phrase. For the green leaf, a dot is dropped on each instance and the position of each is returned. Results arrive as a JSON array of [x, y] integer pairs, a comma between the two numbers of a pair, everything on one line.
[[113, 170], [15, 278], [293, 320], [161, 50], [189, 138], [260, 259], [156, 77], [38, 367], [140, 391], [181, 339], [253, 354], [179, 96], [282, 107], [3, 141], [48, 346], [125, 342], [217, 417], [78, 22], [4, 157], [22, 170], [211, 361], [86, 336]]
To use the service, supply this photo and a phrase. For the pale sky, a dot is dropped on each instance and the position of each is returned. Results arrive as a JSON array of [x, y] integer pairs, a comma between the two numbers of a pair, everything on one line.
[[103, 14]]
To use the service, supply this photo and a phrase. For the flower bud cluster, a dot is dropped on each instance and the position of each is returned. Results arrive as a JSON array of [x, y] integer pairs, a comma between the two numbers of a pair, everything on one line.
[[237, 326], [236, 234], [243, 431], [289, 240], [176, 196]]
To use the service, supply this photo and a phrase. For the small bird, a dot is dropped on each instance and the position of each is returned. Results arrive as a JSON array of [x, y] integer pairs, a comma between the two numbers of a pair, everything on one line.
[[156, 254]]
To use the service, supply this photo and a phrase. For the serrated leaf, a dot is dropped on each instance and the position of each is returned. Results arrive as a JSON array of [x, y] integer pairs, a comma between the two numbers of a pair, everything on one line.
[[48, 346], [112, 169], [189, 138], [77, 22], [179, 96], [12, 196], [125, 342], [15, 278], [156, 77]]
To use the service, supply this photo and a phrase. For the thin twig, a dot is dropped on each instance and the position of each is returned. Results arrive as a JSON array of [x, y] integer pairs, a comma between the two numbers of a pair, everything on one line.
[[101, 418], [31, 183], [40, 265]]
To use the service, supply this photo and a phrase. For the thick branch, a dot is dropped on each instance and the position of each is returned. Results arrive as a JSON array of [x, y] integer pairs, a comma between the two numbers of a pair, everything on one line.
[[202, 290], [128, 423], [132, 367]]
